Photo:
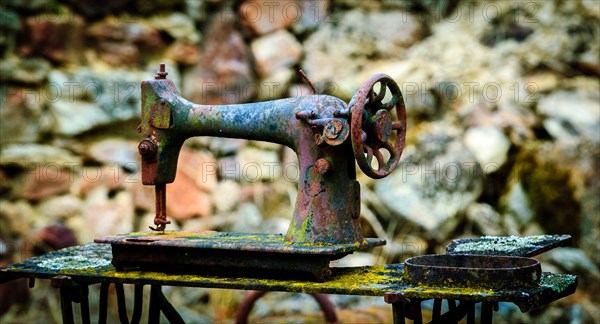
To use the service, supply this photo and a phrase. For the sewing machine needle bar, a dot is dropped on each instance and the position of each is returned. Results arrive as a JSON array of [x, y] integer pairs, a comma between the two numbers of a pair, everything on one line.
[[160, 220]]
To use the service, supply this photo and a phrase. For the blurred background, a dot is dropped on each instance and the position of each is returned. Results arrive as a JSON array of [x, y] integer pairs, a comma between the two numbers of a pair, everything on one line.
[[503, 102]]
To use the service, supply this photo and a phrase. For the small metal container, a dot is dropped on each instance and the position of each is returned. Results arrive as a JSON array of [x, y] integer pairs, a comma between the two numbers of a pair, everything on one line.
[[473, 271]]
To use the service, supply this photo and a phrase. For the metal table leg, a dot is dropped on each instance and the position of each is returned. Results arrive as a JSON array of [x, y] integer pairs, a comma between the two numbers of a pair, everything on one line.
[[121, 305], [452, 310], [470, 306], [415, 307], [154, 311], [64, 284], [84, 303], [170, 312], [138, 299], [437, 310], [399, 303], [103, 302], [486, 313], [398, 312]]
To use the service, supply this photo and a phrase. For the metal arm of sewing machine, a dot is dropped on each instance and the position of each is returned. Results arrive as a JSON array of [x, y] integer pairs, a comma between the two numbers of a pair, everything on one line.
[[316, 127]]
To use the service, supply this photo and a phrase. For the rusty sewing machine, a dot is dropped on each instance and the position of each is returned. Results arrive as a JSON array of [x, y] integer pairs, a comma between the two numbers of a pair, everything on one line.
[[327, 135]]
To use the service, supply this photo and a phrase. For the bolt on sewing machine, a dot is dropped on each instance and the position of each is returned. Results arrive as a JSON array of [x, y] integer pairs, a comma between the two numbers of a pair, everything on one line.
[[327, 136]]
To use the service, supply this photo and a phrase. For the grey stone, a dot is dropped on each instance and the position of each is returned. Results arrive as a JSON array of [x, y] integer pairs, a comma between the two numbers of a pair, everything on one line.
[[572, 115], [511, 225], [487, 220], [275, 85], [421, 104], [313, 13], [437, 179], [275, 225], [224, 74], [18, 218], [47, 180], [339, 52], [178, 25], [21, 116], [489, 145], [183, 52], [532, 228], [104, 215], [195, 224], [72, 118], [575, 261], [254, 165], [226, 196], [24, 70], [275, 51], [87, 98], [516, 202], [60, 208], [125, 41], [31, 155], [248, 219], [260, 17], [115, 151]]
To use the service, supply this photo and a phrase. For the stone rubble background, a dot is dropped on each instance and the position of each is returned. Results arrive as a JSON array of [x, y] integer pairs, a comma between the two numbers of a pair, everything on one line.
[[503, 101]]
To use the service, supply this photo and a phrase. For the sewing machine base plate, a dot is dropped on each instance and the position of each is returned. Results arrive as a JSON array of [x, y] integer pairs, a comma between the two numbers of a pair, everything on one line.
[[254, 255], [91, 263]]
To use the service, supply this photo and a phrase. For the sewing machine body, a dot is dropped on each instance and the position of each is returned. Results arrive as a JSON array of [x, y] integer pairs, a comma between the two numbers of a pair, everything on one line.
[[327, 136], [328, 202]]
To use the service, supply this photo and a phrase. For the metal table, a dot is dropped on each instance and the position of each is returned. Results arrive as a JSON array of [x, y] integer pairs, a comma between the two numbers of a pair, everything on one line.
[[73, 269]]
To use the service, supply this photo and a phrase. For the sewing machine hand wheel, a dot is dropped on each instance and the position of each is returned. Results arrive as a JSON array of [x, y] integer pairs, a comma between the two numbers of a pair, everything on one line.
[[372, 126]]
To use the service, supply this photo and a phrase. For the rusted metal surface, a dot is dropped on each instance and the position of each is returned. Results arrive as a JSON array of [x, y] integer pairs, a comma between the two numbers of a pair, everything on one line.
[[307, 80], [367, 281], [372, 125], [489, 267], [508, 245], [550, 288], [162, 72], [160, 199], [316, 127], [473, 271], [257, 255], [233, 241]]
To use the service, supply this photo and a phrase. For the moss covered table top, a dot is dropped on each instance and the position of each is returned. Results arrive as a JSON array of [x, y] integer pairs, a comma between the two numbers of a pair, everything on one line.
[[91, 263]]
